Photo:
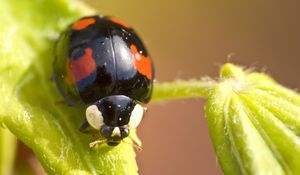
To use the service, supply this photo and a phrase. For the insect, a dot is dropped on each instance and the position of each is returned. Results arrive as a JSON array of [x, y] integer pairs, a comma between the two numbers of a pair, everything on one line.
[[101, 63]]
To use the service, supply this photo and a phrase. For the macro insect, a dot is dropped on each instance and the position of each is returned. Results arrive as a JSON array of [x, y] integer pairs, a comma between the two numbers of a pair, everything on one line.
[[101, 63]]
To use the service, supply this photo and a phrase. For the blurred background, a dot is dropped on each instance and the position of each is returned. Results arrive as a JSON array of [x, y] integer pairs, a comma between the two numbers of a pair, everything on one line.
[[191, 39]]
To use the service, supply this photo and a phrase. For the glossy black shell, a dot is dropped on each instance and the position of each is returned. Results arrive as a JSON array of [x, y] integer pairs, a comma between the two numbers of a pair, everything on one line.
[[96, 61]]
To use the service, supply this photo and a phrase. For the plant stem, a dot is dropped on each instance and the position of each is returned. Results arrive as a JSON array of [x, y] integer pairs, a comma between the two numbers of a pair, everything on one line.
[[7, 151], [181, 89]]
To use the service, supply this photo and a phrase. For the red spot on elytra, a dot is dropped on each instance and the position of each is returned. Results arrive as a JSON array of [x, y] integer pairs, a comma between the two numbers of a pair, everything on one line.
[[83, 23], [141, 63], [122, 23], [81, 68]]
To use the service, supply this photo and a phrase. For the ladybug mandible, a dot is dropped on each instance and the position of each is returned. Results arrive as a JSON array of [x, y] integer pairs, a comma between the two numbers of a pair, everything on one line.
[[101, 62]]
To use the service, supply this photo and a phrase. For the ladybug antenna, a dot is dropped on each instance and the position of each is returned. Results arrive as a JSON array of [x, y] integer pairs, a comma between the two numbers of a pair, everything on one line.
[[96, 142], [137, 147]]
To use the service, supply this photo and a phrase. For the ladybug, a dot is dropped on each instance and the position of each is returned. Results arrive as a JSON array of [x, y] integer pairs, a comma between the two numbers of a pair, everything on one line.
[[101, 63]]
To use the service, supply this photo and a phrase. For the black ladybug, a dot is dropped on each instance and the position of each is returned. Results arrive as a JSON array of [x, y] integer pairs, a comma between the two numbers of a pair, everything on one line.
[[101, 62]]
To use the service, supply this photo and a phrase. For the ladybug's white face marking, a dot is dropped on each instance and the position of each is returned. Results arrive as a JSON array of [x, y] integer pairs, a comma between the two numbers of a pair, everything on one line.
[[116, 132], [94, 117], [136, 116]]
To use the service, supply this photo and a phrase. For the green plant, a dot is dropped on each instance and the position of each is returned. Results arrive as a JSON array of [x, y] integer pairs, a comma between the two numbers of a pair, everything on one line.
[[253, 121]]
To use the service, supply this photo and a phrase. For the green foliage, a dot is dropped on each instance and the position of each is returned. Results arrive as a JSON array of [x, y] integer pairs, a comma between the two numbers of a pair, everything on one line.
[[183, 89], [29, 110], [7, 151], [254, 124], [253, 121]]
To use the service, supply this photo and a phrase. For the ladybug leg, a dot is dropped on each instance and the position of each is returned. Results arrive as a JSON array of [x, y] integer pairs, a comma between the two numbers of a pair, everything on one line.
[[95, 143], [86, 128], [83, 125], [134, 144]]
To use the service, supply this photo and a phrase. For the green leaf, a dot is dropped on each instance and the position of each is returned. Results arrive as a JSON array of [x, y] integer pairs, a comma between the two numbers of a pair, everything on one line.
[[29, 107], [254, 123], [8, 144]]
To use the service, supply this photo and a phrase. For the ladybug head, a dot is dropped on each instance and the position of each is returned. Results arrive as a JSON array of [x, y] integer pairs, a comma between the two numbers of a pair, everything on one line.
[[114, 116]]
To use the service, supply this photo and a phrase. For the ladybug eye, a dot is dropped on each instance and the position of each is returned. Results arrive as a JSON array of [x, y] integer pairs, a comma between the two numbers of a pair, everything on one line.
[[94, 117], [136, 116]]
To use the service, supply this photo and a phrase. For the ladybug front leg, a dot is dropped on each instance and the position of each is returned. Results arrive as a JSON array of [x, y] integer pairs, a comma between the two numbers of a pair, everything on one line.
[[86, 128], [96, 142]]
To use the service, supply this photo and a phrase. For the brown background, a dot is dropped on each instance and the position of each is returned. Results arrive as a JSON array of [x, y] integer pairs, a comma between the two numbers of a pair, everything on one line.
[[190, 39]]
